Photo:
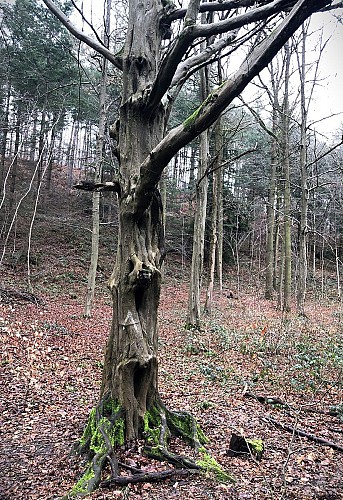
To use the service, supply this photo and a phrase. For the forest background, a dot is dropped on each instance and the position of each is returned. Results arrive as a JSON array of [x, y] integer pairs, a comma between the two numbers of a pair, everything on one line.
[[269, 318]]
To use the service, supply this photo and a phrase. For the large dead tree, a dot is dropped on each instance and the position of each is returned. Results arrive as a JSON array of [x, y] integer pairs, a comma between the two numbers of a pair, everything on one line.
[[154, 62]]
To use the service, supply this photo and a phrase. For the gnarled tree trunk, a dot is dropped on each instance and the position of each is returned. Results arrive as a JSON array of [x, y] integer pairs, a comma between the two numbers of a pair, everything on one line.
[[130, 372]]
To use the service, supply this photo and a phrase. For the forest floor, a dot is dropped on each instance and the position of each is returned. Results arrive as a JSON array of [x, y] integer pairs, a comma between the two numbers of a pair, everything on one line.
[[51, 362]]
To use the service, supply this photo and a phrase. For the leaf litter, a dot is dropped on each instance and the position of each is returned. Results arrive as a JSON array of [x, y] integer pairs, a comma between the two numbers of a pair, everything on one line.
[[51, 364]]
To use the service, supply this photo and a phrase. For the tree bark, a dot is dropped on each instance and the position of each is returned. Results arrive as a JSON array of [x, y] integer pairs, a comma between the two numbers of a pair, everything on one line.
[[50, 158], [15, 157], [214, 257], [213, 248], [303, 261], [194, 302], [130, 368], [220, 208], [4, 127], [287, 189], [98, 174], [270, 253]]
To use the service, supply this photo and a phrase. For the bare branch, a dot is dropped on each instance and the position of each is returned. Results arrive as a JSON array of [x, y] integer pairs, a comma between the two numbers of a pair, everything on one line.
[[257, 14], [325, 154], [299, 432], [259, 120], [98, 47], [338, 5], [101, 186], [191, 32], [213, 7], [218, 101], [211, 169], [200, 58], [80, 11], [195, 63], [324, 118]]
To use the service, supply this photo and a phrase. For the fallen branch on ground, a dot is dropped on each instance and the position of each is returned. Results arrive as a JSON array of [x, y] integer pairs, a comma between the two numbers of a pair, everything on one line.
[[8, 295], [266, 400], [333, 412], [301, 433]]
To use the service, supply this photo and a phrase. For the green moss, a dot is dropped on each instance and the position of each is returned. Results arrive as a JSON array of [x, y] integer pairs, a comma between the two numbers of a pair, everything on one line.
[[256, 447], [112, 425], [152, 426], [210, 465], [183, 424], [189, 122], [115, 433], [201, 436], [92, 436], [191, 119], [156, 453], [81, 488]]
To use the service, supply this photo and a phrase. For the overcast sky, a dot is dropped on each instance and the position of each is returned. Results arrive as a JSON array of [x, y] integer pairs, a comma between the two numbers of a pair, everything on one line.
[[328, 96]]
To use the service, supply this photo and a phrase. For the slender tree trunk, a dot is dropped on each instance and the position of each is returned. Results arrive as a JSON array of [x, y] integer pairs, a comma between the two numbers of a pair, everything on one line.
[[15, 158], [278, 225], [98, 174], [163, 190], [71, 155], [41, 145], [287, 189], [4, 126], [191, 184], [269, 291], [303, 266], [220, 207], [34, 136], [338, 275], [217, 206], [50, 158], [213, 247], [194, 302], [314, 237]]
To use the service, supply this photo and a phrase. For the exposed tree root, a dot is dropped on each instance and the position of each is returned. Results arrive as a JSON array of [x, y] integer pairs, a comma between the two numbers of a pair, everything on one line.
[[146, 477], [105, 431]]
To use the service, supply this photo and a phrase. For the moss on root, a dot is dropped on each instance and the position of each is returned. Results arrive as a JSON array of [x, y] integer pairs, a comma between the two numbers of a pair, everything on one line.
[[105, 431], [114, 428], [208, 464], [160, 424], [152, 426], [185, 426]]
